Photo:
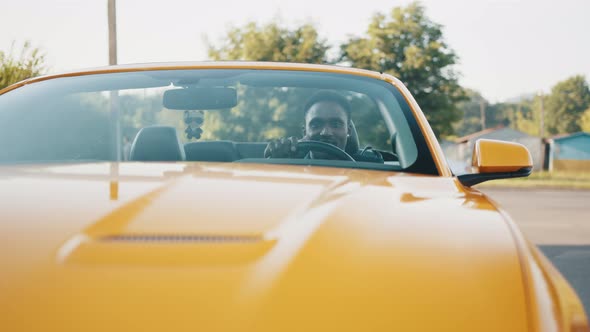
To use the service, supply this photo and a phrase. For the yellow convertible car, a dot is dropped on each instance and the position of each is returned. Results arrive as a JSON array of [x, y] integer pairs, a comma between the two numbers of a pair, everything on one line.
[[246, 196]]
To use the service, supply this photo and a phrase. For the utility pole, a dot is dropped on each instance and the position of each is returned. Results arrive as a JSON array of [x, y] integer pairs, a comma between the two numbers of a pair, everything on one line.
[[114, 95], [112, 4], [482, 114]]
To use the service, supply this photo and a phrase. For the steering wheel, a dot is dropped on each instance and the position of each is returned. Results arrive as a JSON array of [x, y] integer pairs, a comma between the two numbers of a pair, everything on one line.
[[304, 147]]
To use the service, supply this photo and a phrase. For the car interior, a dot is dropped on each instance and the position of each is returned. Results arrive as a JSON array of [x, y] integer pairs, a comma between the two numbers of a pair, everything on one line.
[[162, 143]]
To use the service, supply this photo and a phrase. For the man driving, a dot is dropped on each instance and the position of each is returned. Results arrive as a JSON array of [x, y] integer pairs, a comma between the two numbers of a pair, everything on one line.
[[327, 119]]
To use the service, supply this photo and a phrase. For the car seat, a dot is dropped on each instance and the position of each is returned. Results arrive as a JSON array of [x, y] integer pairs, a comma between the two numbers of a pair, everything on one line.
[[352, 144], [157, 143], [220, 151]]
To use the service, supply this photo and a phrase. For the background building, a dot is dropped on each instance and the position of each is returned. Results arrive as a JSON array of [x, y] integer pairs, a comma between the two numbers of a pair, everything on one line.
[[571, 152]]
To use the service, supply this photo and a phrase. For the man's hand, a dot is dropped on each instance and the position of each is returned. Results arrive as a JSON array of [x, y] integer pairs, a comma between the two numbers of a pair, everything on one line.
[[282, 148]]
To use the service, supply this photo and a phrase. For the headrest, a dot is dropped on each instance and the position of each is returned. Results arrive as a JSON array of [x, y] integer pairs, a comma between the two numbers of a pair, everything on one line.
[[211, 151], [352, 144], [157, 143]]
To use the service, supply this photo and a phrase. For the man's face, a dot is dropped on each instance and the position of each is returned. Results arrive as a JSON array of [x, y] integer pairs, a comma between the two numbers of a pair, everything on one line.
[[326, 121]]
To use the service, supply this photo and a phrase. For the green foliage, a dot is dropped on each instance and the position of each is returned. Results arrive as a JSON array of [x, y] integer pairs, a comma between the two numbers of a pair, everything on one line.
[[44, 132], [263, 114], [527, 117], [44, 127], [524, 115], [409, 46], [585, 121], [272, 42], [566, 105], [496, 115], [500, 114], [137, 111], [406, 44], [470, 108], [567, 110], [28, 64], [370, 127]]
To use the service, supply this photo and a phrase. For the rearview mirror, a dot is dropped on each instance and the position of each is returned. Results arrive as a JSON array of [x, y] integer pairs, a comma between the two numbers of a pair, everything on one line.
[[494, 159], [200, 98]]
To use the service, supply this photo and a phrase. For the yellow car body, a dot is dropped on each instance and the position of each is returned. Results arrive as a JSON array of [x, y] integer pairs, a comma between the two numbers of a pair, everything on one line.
[[118, 246]]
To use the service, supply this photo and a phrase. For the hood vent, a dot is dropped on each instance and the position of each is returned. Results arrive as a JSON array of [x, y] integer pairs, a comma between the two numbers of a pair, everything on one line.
[[175, 238]]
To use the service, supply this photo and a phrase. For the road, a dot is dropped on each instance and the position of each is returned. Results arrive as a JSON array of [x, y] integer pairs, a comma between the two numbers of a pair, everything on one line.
[[558, 221]]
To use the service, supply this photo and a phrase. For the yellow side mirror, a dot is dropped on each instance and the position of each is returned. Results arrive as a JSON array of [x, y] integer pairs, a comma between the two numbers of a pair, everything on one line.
[[494, 159]]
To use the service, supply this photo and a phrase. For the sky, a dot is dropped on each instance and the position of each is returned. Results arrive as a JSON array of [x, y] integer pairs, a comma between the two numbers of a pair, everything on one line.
[[506, 48]]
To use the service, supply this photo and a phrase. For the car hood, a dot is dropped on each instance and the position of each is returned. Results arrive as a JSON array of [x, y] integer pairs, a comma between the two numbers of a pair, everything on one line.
[[208, 246]]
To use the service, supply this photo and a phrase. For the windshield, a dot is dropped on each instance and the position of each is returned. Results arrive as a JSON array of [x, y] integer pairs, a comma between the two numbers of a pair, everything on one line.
[[214, 115]]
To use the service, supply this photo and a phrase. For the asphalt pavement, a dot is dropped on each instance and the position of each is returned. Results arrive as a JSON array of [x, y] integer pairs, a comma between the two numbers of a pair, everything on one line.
[[558, 221]]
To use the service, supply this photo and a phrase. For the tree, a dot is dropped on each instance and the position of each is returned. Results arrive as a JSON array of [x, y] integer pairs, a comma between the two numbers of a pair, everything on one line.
[[40, 128], [566, 104], [527, 117], [585, 121], [501, 114], [409, 46], [498, 114], [28, 64], [261, 117], [470, 108], [272, 42]]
